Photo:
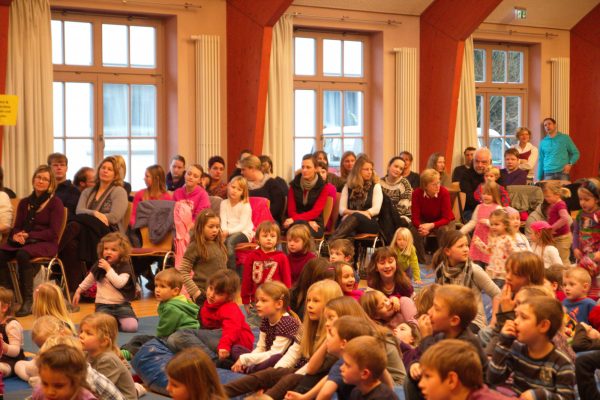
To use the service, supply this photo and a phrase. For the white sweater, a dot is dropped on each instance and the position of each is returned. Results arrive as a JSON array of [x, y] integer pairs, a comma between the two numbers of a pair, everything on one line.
[[237, 219], [550, 255]]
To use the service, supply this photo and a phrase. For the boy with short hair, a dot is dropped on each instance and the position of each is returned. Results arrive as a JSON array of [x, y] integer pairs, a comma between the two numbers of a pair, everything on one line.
[[175, 177], [512, 174], [454, 308], [525, 349], [577, 282], [452, 371], [341, 250], [553, 278], [175, 311], [364, 363]]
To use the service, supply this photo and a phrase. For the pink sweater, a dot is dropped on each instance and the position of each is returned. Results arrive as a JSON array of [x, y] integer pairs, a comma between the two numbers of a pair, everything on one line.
[[198, 197]]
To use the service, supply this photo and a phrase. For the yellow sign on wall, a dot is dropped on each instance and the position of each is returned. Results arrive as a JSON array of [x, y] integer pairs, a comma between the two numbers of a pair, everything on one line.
[[8, 109]]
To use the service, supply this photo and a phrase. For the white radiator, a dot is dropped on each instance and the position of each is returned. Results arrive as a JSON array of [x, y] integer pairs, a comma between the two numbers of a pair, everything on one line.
[[208, 97], [406, 102], [560, 92]]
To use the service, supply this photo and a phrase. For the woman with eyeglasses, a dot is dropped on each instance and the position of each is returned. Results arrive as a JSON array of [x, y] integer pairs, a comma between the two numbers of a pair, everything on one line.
[[35, 234]]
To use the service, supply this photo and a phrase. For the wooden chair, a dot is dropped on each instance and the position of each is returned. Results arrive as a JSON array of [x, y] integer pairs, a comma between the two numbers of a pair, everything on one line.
[[365, 245], [48, 268], [162, 249], [326, 214]]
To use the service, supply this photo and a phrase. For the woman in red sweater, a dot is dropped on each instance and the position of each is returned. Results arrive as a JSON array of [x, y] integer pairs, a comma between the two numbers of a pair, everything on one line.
[[431, 208]]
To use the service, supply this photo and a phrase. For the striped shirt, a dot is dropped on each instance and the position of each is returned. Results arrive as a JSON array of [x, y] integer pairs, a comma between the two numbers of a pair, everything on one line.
[[551, 377]]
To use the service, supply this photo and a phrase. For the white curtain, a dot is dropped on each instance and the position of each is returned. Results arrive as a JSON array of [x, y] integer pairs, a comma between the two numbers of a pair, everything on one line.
[[465, 134], [29, 76], [279, 118]]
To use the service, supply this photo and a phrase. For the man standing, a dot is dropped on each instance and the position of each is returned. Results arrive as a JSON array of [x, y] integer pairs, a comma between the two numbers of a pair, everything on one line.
[[459, 171], [473, 177], [558, 154], [65, 190]]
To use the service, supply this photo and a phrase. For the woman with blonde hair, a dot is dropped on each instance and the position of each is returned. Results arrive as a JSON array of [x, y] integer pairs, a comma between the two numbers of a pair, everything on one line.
[[263, 185], [360, 201]]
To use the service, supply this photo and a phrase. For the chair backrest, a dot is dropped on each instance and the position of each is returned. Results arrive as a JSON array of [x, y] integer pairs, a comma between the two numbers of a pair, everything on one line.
[[335, 210], [15, 205], [327, 210], [127, 215], [458, 200], [63, 224], [260, 210], [165, 244]]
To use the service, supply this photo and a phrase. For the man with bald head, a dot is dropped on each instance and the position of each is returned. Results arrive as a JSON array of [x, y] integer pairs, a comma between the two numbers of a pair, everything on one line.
[[473, 177]]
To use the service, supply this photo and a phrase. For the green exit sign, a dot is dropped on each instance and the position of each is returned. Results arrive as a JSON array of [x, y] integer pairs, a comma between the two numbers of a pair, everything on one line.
[[520, 13]]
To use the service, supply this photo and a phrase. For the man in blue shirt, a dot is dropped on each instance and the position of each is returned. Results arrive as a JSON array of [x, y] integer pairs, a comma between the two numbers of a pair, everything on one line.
[[558, 153]]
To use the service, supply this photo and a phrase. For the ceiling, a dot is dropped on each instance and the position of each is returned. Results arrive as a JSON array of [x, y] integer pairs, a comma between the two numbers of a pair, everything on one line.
[[557, 14]]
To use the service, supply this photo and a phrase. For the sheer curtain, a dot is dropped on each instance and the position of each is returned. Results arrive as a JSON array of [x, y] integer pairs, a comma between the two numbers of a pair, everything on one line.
[[29, 76], [465, 134], [279, 118]]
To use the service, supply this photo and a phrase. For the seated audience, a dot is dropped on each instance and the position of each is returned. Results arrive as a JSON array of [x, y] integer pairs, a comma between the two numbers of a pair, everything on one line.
[[6, 190], [459, 171], [65, 190], [84, 178], [175, 177], [192, 192], [474, 177], [511, 173], [431, 208], [576, 283], [261, 185], [412, 177], [438, 162], [267, 169], [216, 169], [238, 167], [346, 163], [329, 176]]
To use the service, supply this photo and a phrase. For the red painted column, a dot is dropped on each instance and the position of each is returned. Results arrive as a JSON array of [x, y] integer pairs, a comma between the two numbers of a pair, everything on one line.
[[445, 25], [249, 33], [4, 6], [584, 101]]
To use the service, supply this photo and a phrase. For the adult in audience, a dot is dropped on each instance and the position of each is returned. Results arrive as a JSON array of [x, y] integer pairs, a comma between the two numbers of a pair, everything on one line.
[[346, 164], [528, 153], [216, 170], [175, 176], [261, 185], [438, 162], [84, 178], [156, 189], [6, 214], [558, 154], [431, 208], [6, 190], [412, 177], [360, 201], [473, 177], [65, 191], [331, 177], [468, 164], [267, 169], [511, 173], [100, 210], [306, 198], [238, 168], [35, 234], [122, 166]]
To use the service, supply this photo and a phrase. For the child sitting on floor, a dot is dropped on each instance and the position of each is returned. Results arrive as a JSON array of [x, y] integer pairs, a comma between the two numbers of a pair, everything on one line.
[[577, 305]]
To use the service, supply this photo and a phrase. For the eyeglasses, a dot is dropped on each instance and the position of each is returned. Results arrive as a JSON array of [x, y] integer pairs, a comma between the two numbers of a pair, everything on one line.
[[41, 178]]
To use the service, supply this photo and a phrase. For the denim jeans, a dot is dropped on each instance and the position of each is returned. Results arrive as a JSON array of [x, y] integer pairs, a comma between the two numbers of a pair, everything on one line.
[[206, 339], [560, 176], [233, 240]]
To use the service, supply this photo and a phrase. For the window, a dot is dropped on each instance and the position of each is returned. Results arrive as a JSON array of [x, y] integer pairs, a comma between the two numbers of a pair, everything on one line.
[[501, 83], [107, 90], [330, 93]]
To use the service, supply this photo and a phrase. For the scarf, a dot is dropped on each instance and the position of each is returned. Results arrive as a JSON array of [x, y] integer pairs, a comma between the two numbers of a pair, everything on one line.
[[357, 199], [460, 274], [253, 185], [307, 187], [33, 205]]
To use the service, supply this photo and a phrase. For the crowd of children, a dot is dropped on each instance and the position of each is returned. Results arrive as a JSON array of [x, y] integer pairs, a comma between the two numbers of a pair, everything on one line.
[[498, 320]]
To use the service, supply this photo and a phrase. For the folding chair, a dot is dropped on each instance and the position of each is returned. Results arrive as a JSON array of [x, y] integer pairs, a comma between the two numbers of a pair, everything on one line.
[[48, 268]]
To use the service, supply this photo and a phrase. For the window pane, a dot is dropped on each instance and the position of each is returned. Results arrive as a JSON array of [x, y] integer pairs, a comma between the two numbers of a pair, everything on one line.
[[332, 57], [353, 113], [304, 57], [143, 46], [143, 110], [353, 59], [479, 65], [332, 112], [302, 147], [498, 66], [57, 42], [116, 100], [496, 114], [113, 147], [78, 43], [80, 153], [58, 109], [334, 150], [515, 66], [304, 112], [479, 107], [114, 45], [143, 154], [355, 145], [497, 148], [78, 109], [513, 114], [59, 146]]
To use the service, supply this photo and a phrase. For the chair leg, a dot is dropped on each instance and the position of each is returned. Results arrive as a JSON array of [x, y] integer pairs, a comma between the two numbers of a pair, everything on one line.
[[169, 256], [12, 267], [63, 279]]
